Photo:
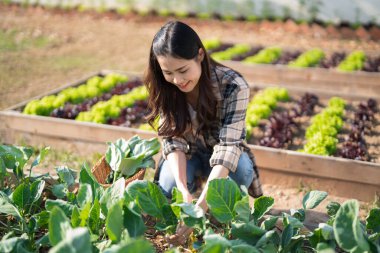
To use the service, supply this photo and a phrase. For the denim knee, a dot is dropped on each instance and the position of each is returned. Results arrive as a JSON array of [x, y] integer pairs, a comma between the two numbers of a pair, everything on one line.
[[244, 172]]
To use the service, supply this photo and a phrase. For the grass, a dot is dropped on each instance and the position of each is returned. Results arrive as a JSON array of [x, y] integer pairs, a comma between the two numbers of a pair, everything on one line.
[[35, 63], [16, 40], [56, 158]]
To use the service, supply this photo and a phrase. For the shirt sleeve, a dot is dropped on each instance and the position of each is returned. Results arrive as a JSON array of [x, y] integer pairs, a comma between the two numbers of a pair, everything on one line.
[[171, 144], [227, 152]]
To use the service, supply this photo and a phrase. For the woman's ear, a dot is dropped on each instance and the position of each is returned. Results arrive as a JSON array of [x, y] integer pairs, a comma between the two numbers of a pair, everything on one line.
[[201, 55]]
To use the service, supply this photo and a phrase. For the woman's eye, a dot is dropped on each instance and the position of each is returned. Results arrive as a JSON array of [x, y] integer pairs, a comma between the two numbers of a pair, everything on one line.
[[183, 71]]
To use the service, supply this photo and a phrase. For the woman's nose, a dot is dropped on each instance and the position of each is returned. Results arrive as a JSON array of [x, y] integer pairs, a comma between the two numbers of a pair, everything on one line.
[[177, 79]]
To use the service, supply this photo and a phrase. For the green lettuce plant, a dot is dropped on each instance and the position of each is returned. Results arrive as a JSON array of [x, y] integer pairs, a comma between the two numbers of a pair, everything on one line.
[[354, 61], [126, 157]]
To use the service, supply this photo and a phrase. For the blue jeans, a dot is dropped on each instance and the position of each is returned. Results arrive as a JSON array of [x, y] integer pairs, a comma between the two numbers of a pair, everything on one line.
[[199, 166]]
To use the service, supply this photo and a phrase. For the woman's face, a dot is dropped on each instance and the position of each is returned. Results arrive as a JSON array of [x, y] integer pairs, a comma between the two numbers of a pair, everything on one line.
[[182, 73]]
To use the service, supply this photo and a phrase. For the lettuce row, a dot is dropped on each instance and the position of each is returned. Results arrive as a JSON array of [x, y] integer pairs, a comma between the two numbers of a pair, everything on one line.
[[262, 104], [321, 135], [231, 52], [265, 56], [354, 61], [309, 58], [104, 110], [94, 87], [211, 44]]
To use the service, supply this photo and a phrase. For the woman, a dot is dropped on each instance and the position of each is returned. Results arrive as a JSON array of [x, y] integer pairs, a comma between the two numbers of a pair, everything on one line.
[[202, 107]]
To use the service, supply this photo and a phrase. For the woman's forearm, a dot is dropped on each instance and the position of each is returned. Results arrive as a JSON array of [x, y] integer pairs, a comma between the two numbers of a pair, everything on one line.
[[177, 163], [218, 171]]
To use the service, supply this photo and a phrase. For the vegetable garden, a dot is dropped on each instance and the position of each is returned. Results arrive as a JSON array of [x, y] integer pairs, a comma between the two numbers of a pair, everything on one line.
[[313, 118], [66, 216], [341, 61], [275, 118]]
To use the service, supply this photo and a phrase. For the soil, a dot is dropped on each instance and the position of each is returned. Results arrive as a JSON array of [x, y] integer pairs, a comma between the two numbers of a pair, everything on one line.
[[93, 41]]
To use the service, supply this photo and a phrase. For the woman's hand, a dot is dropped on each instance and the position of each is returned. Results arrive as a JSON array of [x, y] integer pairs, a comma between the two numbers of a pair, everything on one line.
[[187, 197], [218, 171], [183, 232]]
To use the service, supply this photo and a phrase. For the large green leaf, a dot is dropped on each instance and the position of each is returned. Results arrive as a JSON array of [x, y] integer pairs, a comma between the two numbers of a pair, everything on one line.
[[244, 248], [213, 248], [129, 165], [327, 231], [191, 209], [128, 156], [42, 219], [288, 219], [85, 214], [269, 223], [3, 168], [287, 235], [36, 190], [373, 220], [261, 206], [170, 220], [313, 198], [269, 237], [94, 219], [59, 226], [114, 222], [325, 248], [139, 245], [84, 194], [15, 157], [215, 243], [86, 177], [133, 222], [66, 207], [66, 175], [21, 195], [242, 209], [60, 190], [347, 230], [177, 198], [76, 241], [221, 197], [7, 207], [299, 214], [114, 156], [126, 145], [192, 215], [332, 208], [8, 245], [75, 217], [112, 195], [148, 148], [248, 232], [148, 197], [40, 157]]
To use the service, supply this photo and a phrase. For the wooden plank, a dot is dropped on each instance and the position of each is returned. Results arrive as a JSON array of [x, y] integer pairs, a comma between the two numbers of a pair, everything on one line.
[[62, 128], [281, 160], [337, 83], [312, 165]]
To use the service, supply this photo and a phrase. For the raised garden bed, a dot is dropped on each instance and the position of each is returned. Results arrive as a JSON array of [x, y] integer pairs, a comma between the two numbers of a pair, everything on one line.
[[338, 176], [275, 66]]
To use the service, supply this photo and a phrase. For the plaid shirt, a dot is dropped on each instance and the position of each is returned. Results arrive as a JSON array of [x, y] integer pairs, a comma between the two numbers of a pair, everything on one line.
[[226, 138]]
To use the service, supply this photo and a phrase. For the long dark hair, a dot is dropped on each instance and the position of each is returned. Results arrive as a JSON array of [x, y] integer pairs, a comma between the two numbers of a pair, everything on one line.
[[177, 40]]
